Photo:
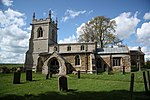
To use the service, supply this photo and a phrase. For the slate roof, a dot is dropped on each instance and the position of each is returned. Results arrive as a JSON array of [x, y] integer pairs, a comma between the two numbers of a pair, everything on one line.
[[113, 50]]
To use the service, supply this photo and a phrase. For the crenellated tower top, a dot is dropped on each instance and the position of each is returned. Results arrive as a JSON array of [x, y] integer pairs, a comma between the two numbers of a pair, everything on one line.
[[41, 20]]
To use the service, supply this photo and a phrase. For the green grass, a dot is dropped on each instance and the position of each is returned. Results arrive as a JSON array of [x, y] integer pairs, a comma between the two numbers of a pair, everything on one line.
[[88, 87]]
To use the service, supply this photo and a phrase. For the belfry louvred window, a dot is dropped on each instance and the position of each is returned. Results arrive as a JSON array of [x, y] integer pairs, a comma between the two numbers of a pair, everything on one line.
[[40, 32]]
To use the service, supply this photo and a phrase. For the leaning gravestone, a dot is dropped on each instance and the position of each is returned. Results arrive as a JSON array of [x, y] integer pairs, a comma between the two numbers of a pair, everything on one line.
[[62, 82], [29, 75], [17, 76]]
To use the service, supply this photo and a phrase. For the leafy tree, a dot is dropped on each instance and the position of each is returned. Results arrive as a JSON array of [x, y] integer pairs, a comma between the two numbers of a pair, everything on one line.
[[99, 29]]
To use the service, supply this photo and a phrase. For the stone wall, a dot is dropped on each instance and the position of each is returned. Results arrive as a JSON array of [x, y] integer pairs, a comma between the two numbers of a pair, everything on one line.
[[107, 61], [84, 61]]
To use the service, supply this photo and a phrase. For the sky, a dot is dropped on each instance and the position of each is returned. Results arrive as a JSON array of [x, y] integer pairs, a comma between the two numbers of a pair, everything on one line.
[[132, 18]]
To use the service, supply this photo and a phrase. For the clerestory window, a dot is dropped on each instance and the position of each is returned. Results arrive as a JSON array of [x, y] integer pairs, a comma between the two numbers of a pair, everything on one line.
[[69, 48], [82, 47]]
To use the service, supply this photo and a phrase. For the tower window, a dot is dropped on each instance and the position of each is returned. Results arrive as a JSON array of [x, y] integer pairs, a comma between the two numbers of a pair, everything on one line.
[[82, 47], [69, 48], [40, 32], [53, 35], [77, 60], [55, 49]]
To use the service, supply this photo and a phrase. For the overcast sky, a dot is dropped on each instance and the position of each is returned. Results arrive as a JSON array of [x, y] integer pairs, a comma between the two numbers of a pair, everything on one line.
[[132, 18]]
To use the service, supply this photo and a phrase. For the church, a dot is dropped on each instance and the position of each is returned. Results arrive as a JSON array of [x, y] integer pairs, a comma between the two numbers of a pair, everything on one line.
[[46, 55]]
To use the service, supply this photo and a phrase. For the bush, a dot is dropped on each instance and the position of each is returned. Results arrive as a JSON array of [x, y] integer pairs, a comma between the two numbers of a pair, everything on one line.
[[5, 70]]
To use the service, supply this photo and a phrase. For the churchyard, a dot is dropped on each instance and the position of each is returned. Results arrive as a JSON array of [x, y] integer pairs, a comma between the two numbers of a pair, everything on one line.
[[115, 86]]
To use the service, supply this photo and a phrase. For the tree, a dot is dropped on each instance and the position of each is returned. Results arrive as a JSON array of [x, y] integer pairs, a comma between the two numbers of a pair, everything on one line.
[[99, 29]]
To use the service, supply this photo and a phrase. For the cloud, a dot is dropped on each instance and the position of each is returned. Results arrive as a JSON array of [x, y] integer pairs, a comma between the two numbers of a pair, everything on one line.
[[143, 34], [10, 17], [7, 2], [73, 38], [13, 37], [70, 39], [147, 16], [91, 11], [70, 14], [79, 29], [126, 24], [133, 48], [143, 37], [146, 50]]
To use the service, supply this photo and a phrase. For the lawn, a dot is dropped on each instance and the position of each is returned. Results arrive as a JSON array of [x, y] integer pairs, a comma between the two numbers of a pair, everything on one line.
[[88, 87]]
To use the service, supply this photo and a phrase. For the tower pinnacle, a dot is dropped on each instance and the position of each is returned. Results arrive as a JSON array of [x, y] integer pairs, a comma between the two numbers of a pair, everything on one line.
[[34, 15], [49, 15], [56, 20]]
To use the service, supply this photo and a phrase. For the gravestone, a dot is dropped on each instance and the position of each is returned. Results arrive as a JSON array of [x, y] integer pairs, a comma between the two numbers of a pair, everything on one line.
[[17, 76], [123, 69], [78, 74], [63, 85], [131, 85], [29, 75], [47, 75]]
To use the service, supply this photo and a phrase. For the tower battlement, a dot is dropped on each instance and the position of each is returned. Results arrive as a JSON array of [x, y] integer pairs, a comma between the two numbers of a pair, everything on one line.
[[47, 20]]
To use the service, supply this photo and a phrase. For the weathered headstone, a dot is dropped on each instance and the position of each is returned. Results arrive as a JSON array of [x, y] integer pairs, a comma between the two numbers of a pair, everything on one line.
[[145, 82], [123, 69], [17, 76], [78, 74], [131, 85], [63, 85], [29, 75]]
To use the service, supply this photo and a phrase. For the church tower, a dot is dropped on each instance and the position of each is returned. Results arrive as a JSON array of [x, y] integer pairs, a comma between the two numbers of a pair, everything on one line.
[[43, 34]]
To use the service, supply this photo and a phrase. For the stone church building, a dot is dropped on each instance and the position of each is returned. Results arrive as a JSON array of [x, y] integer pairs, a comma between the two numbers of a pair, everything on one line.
[[46, 55]]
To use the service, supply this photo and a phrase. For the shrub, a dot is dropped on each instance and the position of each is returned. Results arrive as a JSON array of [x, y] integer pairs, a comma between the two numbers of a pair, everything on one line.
[[5, 70]]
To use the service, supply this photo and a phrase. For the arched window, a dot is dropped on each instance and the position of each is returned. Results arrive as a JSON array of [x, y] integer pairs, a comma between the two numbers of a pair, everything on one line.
[[77, 60], [40, 32]]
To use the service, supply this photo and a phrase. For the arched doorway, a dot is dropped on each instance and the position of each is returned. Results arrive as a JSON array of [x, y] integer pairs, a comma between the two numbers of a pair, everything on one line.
[[53, 66], [40, 64]]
